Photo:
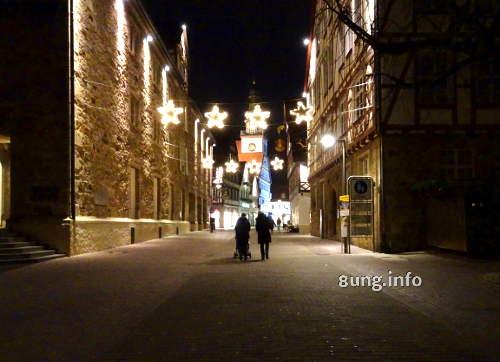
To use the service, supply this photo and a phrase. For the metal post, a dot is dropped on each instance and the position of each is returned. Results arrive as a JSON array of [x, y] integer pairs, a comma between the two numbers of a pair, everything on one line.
[[346, 241], [344, 188]]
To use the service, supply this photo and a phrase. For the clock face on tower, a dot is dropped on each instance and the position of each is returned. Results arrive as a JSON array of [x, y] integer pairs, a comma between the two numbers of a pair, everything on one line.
[[251, 144]]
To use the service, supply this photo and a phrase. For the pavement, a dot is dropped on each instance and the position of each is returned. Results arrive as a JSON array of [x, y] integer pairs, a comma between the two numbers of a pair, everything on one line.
[[184, 298]]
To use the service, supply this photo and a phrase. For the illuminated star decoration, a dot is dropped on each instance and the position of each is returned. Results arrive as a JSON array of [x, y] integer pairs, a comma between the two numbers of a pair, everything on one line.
[[216, 118], [170, 114], [231, 166], [254, 167], [207, 162], [302, 113], [257, 118], [277, 164]]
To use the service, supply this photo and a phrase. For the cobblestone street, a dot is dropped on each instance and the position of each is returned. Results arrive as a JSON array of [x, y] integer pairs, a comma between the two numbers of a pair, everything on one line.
[[185, 298]]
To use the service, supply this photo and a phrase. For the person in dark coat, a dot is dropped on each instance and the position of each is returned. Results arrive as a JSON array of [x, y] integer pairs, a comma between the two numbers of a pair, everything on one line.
[[242, 230], [263, 227]]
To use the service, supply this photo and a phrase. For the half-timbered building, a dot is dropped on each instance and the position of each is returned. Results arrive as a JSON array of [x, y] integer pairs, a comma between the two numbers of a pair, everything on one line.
[[409, 87]]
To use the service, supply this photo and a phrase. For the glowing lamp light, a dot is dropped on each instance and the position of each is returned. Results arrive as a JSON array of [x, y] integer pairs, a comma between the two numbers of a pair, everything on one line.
[[257, 118], [207, 162], [166, 68], [254, 167], [149, 38], [277, 163], [306, 41], [302, 113], [183, 26], [216, 118], [232, 166], [170, 114], [328, 141]]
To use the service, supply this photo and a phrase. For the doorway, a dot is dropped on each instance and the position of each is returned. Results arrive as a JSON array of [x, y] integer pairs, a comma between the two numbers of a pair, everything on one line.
[[4, 180], [332, 216]]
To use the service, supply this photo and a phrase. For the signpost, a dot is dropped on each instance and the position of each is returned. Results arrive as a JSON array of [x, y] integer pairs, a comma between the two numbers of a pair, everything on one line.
[[360, 189]]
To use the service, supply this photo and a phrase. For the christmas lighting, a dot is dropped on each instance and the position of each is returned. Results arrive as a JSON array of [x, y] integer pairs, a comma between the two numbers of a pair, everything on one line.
[[257, 118], [170, 114], [254, 167], [302, 113], [219, 175], [216, 118], [207, 162], [232, 166], [277, 164]]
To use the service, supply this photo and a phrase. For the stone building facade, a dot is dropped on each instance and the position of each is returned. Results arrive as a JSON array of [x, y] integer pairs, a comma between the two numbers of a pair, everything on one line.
[[92, 164], [416, 113]]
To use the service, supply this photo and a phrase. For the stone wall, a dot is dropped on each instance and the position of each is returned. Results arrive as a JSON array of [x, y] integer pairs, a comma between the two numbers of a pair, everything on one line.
[[119, 88], [95, 234]]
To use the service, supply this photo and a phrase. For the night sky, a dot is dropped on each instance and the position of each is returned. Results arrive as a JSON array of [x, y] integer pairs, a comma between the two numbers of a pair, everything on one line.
[[233, 42]]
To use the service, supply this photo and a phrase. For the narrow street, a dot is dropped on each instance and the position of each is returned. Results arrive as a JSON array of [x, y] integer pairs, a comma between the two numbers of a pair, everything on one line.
[[185, 298]]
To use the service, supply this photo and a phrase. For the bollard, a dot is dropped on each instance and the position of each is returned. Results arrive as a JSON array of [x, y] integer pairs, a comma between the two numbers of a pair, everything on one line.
[[132, 235], [159, 232]]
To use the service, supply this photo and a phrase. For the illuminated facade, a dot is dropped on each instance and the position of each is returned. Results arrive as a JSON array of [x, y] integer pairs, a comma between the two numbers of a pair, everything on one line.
[[423, 123], [233, 195], [95, 159]]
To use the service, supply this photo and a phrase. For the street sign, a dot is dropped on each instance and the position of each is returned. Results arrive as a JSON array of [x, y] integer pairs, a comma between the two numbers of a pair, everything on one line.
[[361, 205], [344, 198]]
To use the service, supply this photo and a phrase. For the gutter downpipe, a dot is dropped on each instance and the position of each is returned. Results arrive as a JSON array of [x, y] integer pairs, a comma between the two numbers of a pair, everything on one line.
[[71, 114], [378, 114]]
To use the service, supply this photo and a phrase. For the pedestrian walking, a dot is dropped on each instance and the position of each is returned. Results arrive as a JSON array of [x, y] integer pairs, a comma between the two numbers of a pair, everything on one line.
[[279, 223], [242, 231], [262, 225], [212, 224]]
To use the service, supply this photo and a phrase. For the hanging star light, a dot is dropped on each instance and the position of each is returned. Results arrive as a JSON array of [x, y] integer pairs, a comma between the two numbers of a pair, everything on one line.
[[302, 113], [170, 114], [254, 167], [257, 118], [277, 164], [216, 118], [207, 162], [232, 166]]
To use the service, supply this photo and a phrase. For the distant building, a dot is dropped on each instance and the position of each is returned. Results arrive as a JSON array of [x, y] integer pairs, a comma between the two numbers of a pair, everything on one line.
[[87, 163], [226, 206], [418, 114], [298, 177]]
